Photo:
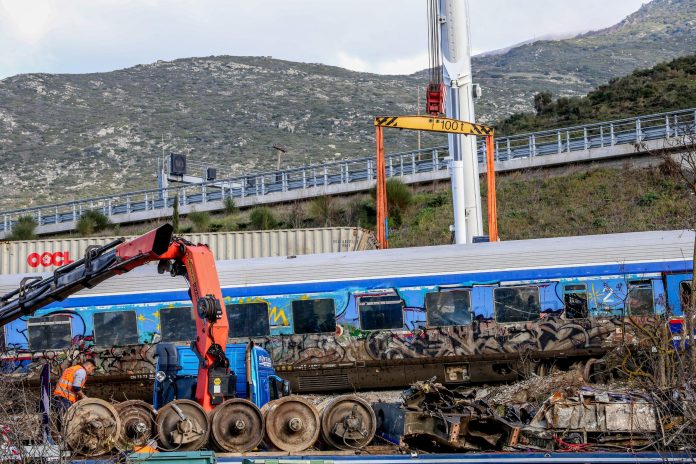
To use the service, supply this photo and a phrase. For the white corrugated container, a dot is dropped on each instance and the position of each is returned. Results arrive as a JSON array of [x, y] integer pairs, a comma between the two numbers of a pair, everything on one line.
[[21, 257]]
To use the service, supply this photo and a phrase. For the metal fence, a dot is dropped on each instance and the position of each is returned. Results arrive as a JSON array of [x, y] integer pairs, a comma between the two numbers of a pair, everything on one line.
[[549, 142]]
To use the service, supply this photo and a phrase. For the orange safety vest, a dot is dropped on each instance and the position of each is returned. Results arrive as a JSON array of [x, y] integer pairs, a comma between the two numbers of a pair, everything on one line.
[[65, 383]]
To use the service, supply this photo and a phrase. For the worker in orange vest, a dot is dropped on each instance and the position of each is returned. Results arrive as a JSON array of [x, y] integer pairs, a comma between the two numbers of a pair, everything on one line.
[[69, 387]]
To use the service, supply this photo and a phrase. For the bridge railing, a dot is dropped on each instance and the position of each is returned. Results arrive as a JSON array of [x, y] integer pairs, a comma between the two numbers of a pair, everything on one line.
[[548, 142]]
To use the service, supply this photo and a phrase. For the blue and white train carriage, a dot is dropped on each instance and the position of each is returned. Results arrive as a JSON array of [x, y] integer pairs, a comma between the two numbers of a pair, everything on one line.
[[463, 313]]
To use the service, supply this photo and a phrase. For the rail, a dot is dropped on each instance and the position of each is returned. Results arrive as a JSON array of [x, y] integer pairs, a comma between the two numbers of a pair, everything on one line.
[[535, 144]]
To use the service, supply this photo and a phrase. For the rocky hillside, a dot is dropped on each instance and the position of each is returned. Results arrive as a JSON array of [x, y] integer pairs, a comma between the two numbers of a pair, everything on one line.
[[71, 136], [661, 30]]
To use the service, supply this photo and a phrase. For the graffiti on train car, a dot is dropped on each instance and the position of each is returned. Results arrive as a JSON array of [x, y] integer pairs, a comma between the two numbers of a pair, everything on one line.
[[356, 325], [601, 326]]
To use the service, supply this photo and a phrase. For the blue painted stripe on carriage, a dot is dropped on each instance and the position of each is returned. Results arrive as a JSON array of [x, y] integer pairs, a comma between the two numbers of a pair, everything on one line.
[[375, 283]]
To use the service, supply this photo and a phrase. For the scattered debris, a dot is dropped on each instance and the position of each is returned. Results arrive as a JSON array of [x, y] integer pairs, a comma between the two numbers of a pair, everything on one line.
[[598, 417], [433, 418], [436, 418]]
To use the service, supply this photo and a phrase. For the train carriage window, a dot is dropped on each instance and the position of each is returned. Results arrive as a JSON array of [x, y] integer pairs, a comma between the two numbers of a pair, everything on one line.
[[49, 332], [640, 298], [314, 316], [448, 308], [575, 301], [381, 312], [685, 294], [516, 304], [115, 328], [248, 320], [178, 324]]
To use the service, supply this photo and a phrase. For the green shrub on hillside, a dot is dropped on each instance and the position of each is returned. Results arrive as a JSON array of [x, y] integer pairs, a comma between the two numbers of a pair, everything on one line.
[[23, 229], [262, 218], [200, 221], [229, 206], [92, 222], [399, 198], [324, 211]]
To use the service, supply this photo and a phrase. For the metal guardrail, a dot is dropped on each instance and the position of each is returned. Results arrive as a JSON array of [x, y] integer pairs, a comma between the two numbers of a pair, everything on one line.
[[549, 142]]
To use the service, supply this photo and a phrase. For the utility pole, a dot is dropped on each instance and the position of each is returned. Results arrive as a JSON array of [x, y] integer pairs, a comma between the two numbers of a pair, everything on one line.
[[419, 112], [281, 150], [453, 16], [162, 181]]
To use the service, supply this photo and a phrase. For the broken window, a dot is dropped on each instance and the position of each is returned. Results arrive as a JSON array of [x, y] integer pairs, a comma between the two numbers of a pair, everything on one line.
[[381, 312], [314, 316], [516, 304], [178, 324], [448, 308], [685, 294], [248, 320], [49, 332], [640, 298], [115, 328], [575, 301]]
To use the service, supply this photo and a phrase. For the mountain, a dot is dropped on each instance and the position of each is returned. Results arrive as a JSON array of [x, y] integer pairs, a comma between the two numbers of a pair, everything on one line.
[[71, 136], [659, 31]]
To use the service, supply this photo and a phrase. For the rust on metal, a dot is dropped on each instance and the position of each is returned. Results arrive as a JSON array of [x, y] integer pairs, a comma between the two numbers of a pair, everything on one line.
[[91, 427], [292, 423], [236, 425], [138, 424], [183, 426], [347, 422]]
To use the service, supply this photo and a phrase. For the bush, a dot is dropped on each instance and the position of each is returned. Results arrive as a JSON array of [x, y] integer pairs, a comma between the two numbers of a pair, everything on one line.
[[399, 195], [200, 221], [23, 229], [227, 223], [92, 221], [229, 206], [323, 210], [399, 198], [262, 218]]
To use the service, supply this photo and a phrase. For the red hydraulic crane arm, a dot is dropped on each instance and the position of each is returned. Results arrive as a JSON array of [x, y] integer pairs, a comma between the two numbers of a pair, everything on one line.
[[176, 255], [197, 264]]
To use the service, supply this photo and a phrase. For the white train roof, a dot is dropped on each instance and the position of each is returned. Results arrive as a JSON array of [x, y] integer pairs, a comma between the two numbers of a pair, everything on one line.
[[624, 248]]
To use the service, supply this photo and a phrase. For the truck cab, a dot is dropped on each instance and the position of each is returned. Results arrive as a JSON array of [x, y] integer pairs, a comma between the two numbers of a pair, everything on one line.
[[177, 372]]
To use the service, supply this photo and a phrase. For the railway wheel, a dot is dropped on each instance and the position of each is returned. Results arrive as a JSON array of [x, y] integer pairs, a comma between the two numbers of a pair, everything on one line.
[[292, 423], [183, 426], [236, 425], [91, 427], [138, 424], [347, 422]]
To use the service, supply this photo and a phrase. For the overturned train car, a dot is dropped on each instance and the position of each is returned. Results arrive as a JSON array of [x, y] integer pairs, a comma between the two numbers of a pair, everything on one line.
[[377, 319]]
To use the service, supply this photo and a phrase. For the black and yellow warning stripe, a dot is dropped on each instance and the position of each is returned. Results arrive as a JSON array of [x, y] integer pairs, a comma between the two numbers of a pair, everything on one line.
[[433, 124]]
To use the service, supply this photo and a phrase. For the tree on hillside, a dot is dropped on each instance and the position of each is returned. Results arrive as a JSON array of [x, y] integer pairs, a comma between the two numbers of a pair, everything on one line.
[[175, 214], [542, 100]]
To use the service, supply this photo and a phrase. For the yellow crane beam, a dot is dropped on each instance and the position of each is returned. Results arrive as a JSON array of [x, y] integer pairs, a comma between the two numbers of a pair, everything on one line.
[[433, 124]]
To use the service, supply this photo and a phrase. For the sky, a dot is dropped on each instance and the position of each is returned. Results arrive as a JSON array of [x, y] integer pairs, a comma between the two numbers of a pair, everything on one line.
[[381, 36]]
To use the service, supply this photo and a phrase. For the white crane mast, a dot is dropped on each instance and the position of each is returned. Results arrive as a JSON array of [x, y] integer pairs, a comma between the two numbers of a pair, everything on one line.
[[456, 53]]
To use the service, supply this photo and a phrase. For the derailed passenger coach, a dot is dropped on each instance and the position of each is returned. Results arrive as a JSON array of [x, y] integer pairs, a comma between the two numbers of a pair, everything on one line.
[[384, 318]]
